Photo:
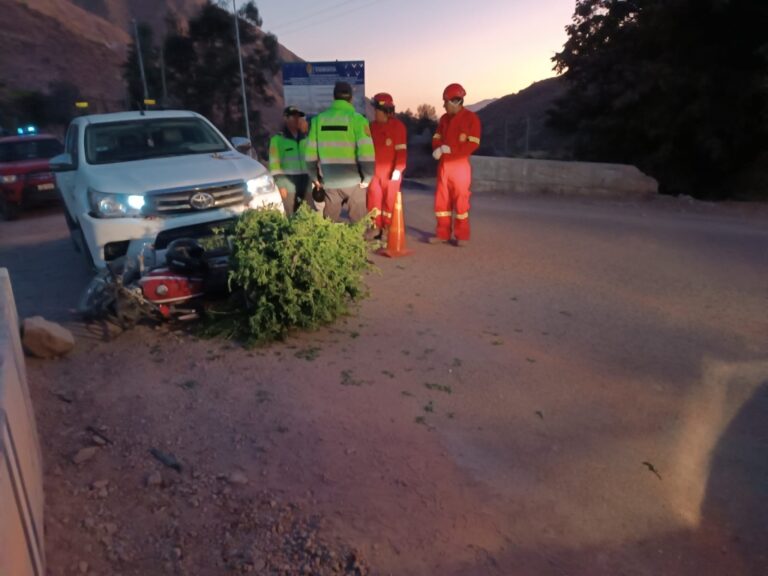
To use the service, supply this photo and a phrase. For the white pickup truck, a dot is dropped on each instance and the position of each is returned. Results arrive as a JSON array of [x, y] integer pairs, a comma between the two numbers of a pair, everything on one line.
[[130, 179]]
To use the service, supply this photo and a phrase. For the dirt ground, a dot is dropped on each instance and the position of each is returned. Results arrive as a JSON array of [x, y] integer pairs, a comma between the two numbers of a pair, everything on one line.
[[581, 391]]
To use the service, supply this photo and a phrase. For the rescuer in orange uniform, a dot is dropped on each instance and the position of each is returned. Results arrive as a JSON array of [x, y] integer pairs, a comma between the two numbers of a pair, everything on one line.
[[390, 142], [457, 137]]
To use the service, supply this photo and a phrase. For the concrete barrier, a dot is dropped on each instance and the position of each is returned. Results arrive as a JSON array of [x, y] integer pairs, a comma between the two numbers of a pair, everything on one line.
[[523, 176], [21, 474]]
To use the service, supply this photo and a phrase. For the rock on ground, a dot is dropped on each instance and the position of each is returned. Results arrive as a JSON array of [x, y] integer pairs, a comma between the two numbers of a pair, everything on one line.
[[45, 339]]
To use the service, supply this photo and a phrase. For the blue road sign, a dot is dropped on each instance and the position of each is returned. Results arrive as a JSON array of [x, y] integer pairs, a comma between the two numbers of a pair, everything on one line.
[[309, 85]]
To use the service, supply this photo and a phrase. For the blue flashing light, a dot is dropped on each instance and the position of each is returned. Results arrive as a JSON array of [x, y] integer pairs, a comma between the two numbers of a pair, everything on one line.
[[26, 130]]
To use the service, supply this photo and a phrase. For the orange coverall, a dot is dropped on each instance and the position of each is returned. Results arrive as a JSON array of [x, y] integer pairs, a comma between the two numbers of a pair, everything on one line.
[[390, 142], [454, 174]]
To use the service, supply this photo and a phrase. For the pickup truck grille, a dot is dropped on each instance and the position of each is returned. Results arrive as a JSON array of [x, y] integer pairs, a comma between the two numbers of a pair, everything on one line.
[[195, 199]]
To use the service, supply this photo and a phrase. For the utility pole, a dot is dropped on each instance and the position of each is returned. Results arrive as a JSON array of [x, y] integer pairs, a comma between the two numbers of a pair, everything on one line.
[[162, 75], [141, 59], [242, 75]]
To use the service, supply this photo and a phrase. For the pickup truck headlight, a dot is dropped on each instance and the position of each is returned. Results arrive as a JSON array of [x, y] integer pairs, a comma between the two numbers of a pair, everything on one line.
[[261, 185], [106, 205], [9, 178]]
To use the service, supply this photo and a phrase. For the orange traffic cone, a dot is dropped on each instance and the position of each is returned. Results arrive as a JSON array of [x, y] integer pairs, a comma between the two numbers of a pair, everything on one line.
[[396, 238]]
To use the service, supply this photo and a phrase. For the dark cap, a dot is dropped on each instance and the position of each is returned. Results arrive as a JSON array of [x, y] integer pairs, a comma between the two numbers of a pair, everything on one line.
[[342, 91], [293, 111]]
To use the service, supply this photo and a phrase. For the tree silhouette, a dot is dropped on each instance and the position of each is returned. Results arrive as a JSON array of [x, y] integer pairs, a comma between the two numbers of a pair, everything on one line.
[[202, 68], [677, 87]]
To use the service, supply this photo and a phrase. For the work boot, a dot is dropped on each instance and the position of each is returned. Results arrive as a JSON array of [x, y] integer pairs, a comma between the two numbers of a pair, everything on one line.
[[371, 234], [384, 236], [460, 243]]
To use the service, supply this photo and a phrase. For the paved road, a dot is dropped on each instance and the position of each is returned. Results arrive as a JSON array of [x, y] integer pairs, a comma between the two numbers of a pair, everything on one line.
[[580, 391]]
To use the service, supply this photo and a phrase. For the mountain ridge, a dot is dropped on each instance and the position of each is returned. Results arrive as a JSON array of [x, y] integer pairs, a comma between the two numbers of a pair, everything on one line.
[[516, 124]]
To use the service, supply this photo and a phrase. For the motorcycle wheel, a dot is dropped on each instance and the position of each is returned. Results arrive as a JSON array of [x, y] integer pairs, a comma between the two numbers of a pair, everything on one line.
[[98, 300]]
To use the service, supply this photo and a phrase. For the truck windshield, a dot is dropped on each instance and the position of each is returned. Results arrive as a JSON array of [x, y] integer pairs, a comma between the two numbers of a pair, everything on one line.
[[130, 140], [22, 150]]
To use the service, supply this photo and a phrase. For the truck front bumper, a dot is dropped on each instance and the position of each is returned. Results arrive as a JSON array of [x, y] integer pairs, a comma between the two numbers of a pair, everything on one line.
[[107, 239]]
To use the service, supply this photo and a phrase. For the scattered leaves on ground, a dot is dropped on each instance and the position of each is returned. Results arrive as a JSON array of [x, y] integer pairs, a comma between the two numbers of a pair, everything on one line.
[[438, 387], [188, 384], [308, 354], [348, 380]]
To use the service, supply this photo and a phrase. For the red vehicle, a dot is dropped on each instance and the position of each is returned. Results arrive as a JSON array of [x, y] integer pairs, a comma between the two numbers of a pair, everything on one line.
[[25, 176]]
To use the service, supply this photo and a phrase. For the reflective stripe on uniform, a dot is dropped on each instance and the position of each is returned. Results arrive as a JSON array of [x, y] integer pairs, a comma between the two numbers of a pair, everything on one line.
[[375, 212], [463, 216], [329, 118], [436, 136], [386, 214], [326, 160], [443, 214], [474, 139], [401, 146], [338, 144]]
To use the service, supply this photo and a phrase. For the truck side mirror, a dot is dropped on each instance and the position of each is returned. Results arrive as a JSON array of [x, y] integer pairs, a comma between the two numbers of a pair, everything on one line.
[[61, 163], [242, 145]]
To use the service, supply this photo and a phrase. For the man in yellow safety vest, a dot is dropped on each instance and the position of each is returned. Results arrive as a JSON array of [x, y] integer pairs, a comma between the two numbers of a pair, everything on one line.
[[340, 155], [286, 159]]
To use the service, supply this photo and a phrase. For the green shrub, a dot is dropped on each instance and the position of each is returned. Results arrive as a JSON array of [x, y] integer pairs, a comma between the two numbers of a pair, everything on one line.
[[298, 272]]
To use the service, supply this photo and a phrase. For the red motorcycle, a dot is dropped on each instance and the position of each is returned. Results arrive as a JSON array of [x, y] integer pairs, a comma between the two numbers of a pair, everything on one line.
[[138, 288]]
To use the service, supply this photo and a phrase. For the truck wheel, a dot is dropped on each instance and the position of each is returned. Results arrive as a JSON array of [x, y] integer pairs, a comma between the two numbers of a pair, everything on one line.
[[74, 232], [10, 210], [78, 240], [71, 224], [83, 249]]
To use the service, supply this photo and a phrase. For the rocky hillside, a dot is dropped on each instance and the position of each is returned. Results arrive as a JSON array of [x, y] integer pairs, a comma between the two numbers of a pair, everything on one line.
[[121, 12], [506, 122], [84, 42], [49, 41]]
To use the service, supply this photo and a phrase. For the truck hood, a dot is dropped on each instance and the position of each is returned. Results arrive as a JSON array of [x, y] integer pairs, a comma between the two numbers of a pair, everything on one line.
[[144, 176]]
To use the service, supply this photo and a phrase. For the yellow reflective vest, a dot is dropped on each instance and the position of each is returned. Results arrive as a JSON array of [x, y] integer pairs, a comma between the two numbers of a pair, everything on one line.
[[339, 147], [286, 157]]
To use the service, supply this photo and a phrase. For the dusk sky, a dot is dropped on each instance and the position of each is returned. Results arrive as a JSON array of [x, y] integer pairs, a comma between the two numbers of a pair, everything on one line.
[[413, 49]]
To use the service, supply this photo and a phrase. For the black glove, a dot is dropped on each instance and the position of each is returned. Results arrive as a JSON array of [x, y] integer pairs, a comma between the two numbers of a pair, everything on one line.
[[318, 193]]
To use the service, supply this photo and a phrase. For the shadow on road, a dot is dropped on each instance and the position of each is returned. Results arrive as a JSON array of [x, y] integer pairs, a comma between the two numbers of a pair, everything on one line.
[[731, 536]]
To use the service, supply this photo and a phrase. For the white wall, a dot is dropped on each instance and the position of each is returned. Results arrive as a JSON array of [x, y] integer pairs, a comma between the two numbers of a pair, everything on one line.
[[21, 479], [524, 176]]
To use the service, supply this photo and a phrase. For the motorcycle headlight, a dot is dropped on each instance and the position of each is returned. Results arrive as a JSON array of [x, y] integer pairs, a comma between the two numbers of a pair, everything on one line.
[[10, 178], [106, 205], [261, 185]]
